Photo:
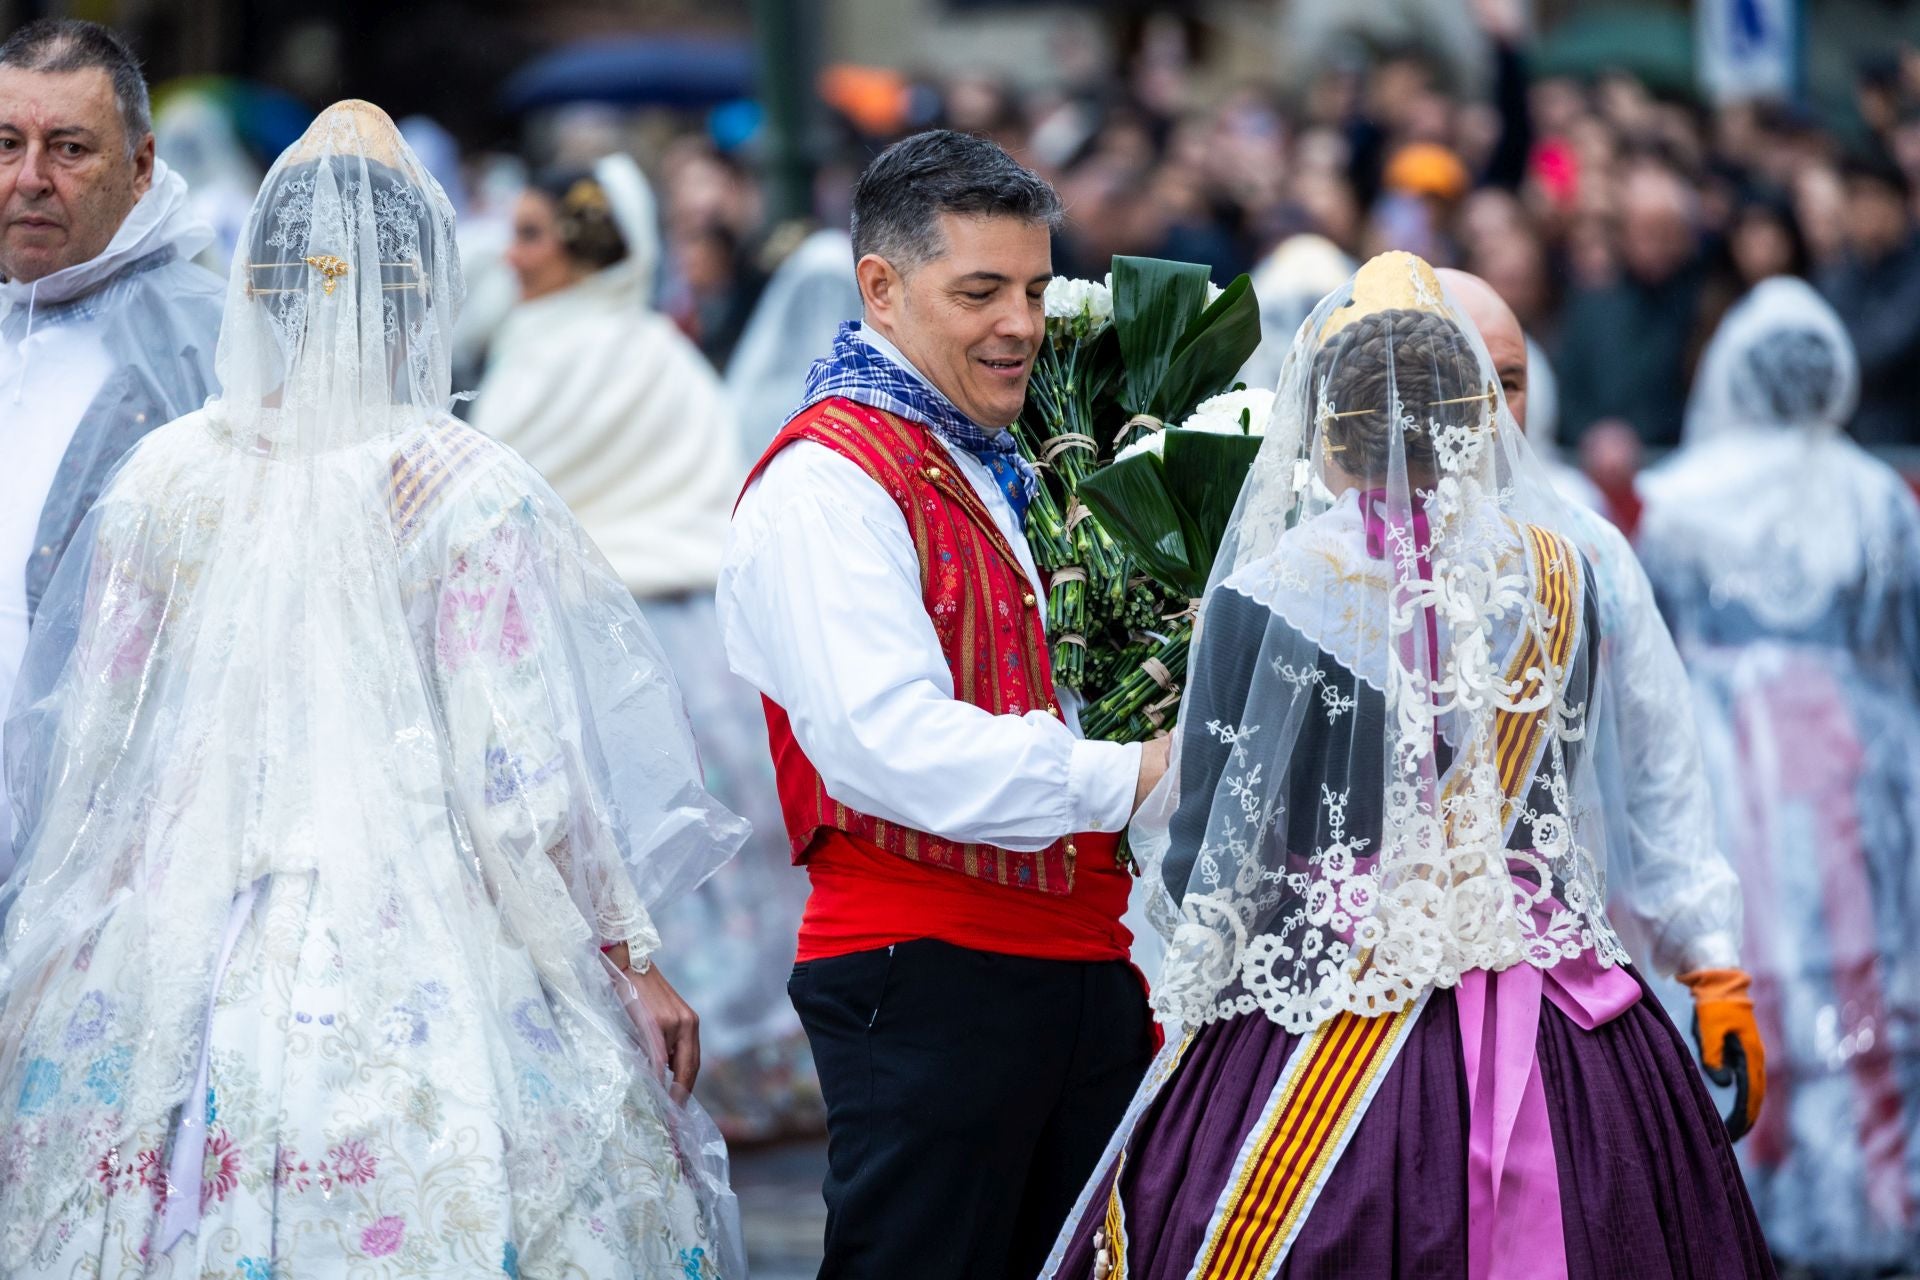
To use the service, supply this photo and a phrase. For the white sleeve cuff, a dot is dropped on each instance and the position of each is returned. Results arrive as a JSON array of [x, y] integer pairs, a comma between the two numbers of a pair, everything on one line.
[[1101, 780], [1710, 951]]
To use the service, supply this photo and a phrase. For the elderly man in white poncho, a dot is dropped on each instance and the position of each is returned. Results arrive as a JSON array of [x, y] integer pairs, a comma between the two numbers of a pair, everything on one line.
[[106, 327]]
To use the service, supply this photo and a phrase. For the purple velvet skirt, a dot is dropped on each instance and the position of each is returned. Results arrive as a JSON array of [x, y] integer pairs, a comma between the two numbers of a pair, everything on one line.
[[1648, 1184]]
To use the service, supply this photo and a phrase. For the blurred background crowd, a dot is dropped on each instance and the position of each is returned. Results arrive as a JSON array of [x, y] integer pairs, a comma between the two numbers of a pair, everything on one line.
[[1622, 174]]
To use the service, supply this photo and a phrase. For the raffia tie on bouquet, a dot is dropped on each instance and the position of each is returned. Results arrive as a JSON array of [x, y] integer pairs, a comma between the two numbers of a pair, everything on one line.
[[1138, 422], [1156, 711], [1060, 577], [1054, 446]]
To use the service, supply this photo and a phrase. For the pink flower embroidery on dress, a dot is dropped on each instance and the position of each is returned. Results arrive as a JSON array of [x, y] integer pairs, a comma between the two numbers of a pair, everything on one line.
[[292, 1172], [149, 1171], [123, 634], [383, 1237], [352, 1163], [221, 1172], [463, 626]]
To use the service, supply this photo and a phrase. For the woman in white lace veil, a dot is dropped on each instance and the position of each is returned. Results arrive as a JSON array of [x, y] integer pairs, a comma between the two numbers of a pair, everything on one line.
[[1787, 562], [346, 773], [1378, 843]]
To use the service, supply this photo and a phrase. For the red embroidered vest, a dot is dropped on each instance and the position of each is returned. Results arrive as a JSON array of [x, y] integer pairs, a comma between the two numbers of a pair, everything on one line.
[[984, 610]]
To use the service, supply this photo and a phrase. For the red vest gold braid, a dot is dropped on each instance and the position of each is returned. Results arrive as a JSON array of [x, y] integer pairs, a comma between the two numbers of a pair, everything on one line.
[[983, 609]]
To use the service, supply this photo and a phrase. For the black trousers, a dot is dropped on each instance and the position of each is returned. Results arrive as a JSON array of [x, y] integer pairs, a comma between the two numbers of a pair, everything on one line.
[[969, 1096]]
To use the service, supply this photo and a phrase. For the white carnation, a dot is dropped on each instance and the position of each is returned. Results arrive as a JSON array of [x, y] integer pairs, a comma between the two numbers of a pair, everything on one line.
[[1153, 442], [1068, 299], [1221, 414]]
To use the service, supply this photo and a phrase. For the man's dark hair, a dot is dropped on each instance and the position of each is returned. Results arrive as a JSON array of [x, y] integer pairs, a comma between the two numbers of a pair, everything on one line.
[[916, 179], [57, 45]]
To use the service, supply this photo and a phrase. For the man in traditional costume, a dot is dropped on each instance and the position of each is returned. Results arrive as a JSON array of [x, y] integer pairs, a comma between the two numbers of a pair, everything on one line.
[[107, 328], [962, 970], [1403, 1038]]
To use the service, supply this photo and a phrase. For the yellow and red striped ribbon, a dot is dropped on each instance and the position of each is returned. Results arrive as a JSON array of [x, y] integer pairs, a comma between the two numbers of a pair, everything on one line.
[[1291, 1150]]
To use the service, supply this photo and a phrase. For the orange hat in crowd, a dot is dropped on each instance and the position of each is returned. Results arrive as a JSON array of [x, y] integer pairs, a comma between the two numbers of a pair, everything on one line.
[[875, 99], [1427, 169]]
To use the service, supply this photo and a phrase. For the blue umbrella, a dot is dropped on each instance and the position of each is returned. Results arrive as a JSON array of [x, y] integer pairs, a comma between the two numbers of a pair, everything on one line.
[[661, 71]]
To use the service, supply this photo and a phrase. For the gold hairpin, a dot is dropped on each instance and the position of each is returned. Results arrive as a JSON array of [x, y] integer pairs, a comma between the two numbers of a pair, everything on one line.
[[1487, 395], [331, 269], [585, 194]]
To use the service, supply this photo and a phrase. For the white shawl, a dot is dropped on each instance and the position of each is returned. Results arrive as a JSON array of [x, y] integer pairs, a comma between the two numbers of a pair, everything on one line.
[[626, 420]]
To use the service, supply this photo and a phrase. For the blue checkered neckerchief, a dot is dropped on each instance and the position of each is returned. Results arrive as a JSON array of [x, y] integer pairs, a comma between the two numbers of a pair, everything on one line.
[[861, 372]]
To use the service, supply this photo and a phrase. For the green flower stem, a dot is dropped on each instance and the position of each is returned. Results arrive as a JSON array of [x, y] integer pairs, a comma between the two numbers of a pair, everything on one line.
[[1120, 714]]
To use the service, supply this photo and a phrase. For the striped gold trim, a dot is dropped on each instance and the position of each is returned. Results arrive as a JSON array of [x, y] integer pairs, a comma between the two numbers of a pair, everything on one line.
[[422, 474], [1294, 1147]]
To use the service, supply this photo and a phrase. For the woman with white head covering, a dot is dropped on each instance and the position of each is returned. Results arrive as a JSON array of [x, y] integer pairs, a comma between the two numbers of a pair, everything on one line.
[[810, 295], [1403, 1040], [1301, 270], [194, 134], [350, 779], [627, 421], [1787, 561]]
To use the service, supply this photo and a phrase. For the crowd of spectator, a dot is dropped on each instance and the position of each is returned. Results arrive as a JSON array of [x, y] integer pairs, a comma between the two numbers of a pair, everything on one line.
[[1619, 224]]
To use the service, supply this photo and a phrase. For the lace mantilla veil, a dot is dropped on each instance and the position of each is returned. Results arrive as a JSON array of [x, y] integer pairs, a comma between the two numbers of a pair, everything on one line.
[[321, 632], [1381, 778]]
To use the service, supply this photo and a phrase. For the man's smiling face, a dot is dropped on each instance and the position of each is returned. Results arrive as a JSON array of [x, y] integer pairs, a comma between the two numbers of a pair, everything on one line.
[[973, 317], [68, 178]]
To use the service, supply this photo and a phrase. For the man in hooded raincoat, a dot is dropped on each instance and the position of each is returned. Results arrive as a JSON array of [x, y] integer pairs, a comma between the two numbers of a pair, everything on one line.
[[107, 328]]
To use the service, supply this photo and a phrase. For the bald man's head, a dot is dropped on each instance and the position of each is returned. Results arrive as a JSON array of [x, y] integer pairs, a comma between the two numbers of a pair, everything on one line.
[[1499, 329]]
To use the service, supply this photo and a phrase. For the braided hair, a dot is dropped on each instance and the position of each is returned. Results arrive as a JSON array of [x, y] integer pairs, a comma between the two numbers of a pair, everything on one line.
[[1423, 357], [584, 217]]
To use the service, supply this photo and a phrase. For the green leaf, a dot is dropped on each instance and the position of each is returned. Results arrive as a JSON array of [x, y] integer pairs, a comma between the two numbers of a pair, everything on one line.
[[1203, 474], [1212, 350], [1154, 303], [1131, 500]]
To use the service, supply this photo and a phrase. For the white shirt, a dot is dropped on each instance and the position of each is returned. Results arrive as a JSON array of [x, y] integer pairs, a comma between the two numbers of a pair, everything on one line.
[[820, 601], [1665, 868]]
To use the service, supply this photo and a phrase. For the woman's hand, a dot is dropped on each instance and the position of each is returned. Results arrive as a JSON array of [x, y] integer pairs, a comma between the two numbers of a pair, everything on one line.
[[679, 1025]]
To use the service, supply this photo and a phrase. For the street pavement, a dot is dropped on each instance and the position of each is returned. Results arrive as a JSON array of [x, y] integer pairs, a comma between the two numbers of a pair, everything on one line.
[[781, 1212]]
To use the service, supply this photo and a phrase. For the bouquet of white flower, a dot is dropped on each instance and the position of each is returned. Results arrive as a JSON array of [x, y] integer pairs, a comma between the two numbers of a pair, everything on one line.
[[1129, 509]]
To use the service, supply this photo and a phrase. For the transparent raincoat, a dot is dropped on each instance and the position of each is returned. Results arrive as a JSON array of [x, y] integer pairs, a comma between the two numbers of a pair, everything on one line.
[[340, 753], [1787, 562]]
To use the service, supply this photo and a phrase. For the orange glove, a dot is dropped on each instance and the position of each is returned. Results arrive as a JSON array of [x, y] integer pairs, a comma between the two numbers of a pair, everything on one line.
[[1729, 1040]]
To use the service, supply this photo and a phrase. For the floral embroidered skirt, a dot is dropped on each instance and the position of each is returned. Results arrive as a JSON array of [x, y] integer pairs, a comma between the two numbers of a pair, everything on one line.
[[323, 1157]]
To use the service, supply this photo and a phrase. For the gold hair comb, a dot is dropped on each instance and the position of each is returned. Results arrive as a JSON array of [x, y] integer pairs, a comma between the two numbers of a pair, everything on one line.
[[331, 269], [1487, 395], [585, 195]]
